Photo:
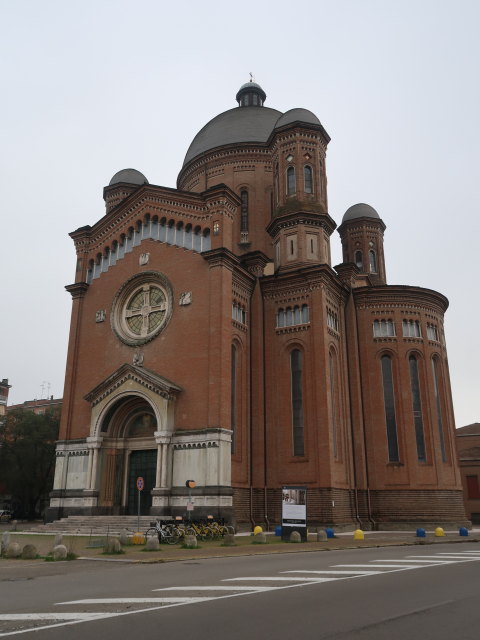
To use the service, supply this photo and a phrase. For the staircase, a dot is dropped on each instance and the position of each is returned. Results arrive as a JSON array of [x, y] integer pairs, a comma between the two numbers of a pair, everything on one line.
[[96, 525]]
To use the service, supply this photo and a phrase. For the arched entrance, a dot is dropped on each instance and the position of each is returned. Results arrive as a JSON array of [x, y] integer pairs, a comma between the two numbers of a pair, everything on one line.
[[128, 451]]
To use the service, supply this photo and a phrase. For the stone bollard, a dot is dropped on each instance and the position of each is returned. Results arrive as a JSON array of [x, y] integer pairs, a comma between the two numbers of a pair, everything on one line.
[[13, 525], [295, 536], [358, 535], [191, 542], [112, 545], [124, 539], [463, 531], [59, 552], [420, 533], [330, 532], [58, 539], [259, 538], [137, 538], [439, 532], [257, 529], [29, 552], [152, 543], [321, 536], [229, 540], [5, 542], [13, 550]]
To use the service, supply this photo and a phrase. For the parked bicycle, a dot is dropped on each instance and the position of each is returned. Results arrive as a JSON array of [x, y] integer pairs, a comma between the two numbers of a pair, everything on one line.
[[164, 532]]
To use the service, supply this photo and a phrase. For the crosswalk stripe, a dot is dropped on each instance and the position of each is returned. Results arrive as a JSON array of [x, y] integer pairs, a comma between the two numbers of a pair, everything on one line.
[[216, 588], [132, 600], [5, 617], [340, 572], [456, 556], [379, 566], [275, 578]]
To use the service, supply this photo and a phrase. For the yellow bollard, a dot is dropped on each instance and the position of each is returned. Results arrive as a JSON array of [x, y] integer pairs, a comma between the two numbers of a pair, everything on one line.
[[439, 532], [358, 535], [138, 538], [257, 529]]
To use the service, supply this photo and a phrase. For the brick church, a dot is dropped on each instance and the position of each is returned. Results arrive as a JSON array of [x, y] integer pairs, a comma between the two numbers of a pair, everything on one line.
[[212, 340]]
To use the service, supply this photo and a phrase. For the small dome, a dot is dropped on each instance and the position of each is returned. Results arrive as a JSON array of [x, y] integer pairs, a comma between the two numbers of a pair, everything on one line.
[[360, 210], [297, 115], [132, 176], [245, 95]]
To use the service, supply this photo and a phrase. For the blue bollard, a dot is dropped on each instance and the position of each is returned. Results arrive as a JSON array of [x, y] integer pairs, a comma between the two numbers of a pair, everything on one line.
[[463, 531], [278, 530], [421, 533], [330, 533]]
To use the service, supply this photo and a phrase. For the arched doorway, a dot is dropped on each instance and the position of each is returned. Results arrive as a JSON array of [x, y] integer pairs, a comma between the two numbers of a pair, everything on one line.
[[128, 451]]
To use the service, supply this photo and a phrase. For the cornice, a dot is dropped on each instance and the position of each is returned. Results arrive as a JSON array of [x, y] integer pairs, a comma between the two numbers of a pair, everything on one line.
[[400, 295], [294, 218], [77, 290]]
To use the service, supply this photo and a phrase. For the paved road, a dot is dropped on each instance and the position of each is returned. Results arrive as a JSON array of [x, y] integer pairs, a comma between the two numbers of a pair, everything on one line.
[[386, 593]]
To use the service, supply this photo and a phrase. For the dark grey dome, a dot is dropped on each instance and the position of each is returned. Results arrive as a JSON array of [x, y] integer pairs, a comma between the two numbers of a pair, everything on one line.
[[252, 124], [132, 176], [360, 210], [297, 115]]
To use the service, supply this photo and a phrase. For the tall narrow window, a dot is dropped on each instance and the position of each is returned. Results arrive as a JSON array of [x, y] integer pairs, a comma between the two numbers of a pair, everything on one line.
[[244, 211], [291, 181], [438, 406], [233, 396], [417, 408], [359, 259], [308, 178], [389, 402], [297, 402], [333, 399], [372, 256]]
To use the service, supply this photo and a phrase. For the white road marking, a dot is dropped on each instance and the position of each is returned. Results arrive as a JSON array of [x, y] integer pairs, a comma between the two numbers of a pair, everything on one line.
[[380, 566], [133, 600], [275, 578], [422, 562], [48, 616], [348, 573], [216, 588]]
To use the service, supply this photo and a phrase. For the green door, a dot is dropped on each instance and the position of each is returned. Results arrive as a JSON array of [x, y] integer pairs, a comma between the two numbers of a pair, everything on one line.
[[142, 464]]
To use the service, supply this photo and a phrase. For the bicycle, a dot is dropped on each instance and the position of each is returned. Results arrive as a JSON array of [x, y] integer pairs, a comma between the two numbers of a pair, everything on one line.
[[163, 532]]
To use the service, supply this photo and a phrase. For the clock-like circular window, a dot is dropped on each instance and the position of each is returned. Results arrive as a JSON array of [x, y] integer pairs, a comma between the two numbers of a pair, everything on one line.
[[142, 308]]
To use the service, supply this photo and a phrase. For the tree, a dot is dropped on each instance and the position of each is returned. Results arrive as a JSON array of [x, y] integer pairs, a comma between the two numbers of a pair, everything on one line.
[[27, 458]]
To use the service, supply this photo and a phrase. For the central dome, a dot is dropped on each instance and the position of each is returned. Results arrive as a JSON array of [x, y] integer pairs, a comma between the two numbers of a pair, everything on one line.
[[242, 124], [250, 122]]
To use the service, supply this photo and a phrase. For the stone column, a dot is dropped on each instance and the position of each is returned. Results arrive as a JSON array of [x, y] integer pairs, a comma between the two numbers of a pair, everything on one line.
[[162, 438], [94, 444]]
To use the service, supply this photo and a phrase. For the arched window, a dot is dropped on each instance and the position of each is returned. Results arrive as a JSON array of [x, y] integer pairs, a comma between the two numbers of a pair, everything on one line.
[[188, 236], [171, 232], [197, 239], [289, 319], [296, 370], [234, 395], [291, 181], [359, 259], [308, 179], [305, 314], [280, 318], [438, 405], [296, 315], [334, 400], [244, 211], [179, 235], [389, 402], [417, 407], [206, 240], [372, 256], [162, 230]]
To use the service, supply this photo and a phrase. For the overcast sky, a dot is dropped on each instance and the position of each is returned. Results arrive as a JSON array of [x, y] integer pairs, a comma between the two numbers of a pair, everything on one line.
[[92, 87]]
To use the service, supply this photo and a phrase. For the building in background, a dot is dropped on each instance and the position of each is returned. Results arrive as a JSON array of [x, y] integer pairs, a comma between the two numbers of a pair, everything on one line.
[[39, 406], [468, 447], [212, 339], [4, 388]]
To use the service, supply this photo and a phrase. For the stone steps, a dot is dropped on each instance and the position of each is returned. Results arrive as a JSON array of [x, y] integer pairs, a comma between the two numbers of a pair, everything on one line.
[[95, 525]]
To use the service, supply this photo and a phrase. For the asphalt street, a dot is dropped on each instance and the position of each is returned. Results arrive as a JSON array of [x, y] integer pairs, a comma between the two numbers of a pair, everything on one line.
[[379, 593]]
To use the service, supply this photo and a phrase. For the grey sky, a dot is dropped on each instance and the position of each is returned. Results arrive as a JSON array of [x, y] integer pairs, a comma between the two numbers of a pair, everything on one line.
[[92, 87]]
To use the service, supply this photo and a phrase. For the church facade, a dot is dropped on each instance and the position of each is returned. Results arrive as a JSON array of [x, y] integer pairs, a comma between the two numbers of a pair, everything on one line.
[[212, 340]]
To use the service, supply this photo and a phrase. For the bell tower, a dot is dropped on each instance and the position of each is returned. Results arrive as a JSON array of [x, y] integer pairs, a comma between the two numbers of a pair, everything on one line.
[[361, 233]]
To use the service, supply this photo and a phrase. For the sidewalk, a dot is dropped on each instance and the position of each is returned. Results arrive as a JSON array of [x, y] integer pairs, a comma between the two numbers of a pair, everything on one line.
[[91, 548]]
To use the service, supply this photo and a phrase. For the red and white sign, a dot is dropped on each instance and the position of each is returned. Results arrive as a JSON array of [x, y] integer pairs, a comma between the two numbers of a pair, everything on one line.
[[140, 483]]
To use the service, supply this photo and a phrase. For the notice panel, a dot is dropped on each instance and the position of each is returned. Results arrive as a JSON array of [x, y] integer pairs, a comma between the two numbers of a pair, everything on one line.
[[294, 511]]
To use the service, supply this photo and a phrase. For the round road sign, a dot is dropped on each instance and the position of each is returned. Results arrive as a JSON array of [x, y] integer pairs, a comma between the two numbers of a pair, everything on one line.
[[140, 483]]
